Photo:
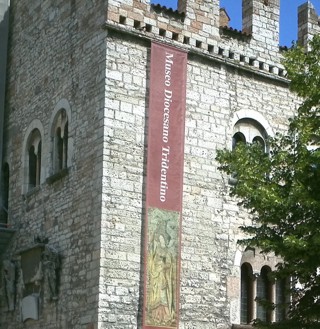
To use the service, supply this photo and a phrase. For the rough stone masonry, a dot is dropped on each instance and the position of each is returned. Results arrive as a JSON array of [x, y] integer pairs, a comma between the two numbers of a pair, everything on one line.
[[77, 88]]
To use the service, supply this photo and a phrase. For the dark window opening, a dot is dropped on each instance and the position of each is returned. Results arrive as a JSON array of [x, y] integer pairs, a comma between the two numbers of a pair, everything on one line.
[[259, 140], [162, 32], [186, 40], [34, 160], [246, 313], [237, 138], [137, 24], [198, 44], [65, 145], [264, 295], [32, 168], [175, 36], [60, 147], [5, 195], [122, 20]]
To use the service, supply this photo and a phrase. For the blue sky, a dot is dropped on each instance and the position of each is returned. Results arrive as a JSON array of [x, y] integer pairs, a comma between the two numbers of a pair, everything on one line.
[[288, 15]]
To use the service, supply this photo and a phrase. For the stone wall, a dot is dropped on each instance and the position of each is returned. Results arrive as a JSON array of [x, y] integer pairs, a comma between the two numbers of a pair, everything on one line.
[[57, 56], [219, 92], [123, 182], [225, 83], [94, 61]]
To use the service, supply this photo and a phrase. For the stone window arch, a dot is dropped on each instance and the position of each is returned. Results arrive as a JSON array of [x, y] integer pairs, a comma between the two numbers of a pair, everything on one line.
[[248, 130], [254, 117]]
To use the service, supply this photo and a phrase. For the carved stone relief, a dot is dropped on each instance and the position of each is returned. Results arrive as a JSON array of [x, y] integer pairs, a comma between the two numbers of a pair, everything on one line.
[[38, 279]]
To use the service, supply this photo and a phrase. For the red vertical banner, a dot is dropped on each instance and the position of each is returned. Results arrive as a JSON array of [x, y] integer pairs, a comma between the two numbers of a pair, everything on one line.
[[164, 187]]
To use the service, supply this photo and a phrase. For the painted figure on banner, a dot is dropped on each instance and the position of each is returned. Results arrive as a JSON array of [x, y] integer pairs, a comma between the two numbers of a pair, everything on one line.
[[162, 267]]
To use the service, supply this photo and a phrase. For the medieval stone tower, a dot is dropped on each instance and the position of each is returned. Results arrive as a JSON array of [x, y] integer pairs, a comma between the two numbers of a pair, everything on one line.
[[113, 212]]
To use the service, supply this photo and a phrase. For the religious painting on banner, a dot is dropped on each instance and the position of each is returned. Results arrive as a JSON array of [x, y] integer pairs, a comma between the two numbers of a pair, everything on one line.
[[164, 187], [163, 253]]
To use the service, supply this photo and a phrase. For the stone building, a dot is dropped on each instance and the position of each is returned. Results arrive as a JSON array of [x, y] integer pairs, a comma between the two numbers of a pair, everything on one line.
[[76, 141]]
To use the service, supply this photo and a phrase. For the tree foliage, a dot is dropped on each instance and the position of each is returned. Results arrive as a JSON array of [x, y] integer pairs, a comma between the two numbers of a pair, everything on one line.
[[281, 190]]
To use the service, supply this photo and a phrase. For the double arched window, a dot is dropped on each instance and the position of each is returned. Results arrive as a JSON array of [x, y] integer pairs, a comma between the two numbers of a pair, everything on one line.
[[249, 131], [261, 296], [47, 157]]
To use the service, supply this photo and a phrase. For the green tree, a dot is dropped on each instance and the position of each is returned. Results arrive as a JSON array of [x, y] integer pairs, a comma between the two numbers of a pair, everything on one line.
[[281, 190]]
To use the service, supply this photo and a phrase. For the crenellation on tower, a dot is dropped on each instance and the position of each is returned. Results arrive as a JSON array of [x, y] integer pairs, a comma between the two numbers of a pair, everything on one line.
[[196, 24], [182, 5], [260, 18], [308, 23], [199, 25]]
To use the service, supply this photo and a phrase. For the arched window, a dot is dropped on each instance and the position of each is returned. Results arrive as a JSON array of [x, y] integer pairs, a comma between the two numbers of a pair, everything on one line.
[[34, 159], [246, 315], [4, 194], [264, 295], [60, 141], [249, 131], [238, 138], [260, 141]]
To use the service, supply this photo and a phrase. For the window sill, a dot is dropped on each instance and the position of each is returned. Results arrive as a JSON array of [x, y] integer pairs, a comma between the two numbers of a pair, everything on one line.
[[32, 191], [57, 176]]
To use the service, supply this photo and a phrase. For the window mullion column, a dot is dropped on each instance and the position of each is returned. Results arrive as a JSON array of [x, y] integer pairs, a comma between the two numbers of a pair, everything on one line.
[[254, 293]]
